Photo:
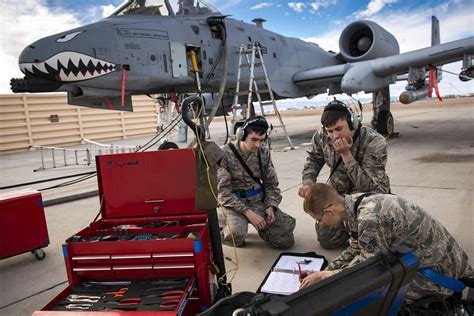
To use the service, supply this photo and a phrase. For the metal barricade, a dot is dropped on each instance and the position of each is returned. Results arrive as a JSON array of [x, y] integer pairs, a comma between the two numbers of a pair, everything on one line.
[[104, 149], [57, 162], [61, 157]]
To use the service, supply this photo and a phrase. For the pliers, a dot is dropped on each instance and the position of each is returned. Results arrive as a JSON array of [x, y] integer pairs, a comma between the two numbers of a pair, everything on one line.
[[126, 302]]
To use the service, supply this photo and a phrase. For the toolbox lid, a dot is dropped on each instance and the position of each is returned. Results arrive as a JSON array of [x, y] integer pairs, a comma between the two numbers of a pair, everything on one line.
[[12, 195], [147, 183]]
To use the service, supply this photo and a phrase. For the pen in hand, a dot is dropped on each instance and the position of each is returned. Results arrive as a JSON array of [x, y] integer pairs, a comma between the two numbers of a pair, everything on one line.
[[301, 273]]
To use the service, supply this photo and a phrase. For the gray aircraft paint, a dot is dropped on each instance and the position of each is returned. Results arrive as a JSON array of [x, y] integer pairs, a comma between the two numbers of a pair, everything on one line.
[[88, 62]]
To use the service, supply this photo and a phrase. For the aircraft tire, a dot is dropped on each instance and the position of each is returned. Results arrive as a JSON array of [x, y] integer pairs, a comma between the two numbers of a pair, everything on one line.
[[385, 123], [168, 145]]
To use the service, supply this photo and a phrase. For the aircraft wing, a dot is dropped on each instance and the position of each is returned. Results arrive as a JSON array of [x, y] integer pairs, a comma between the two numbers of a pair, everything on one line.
[[372, 75]]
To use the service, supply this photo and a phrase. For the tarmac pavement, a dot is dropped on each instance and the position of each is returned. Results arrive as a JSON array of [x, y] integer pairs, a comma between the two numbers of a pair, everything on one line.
[[431, 163]]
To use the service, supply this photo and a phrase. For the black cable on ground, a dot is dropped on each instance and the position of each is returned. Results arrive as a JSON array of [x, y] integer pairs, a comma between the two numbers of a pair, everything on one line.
[[91, 174], [46, 180], [157, 135], [156, 141], [70, 182], [20, 300]]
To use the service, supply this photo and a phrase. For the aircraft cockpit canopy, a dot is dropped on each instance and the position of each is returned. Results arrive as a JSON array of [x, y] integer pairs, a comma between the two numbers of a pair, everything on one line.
[[164, 8]]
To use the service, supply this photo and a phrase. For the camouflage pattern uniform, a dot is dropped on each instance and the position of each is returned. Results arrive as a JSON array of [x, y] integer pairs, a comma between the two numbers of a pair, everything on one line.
[[385, 220], [365, 173], [232, 177]]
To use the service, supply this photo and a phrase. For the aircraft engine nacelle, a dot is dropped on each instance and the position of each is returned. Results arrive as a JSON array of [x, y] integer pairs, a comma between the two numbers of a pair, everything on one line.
[[365, 40]]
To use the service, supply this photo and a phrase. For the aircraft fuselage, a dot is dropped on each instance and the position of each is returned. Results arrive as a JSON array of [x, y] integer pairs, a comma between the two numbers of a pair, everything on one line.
[[153, 51]]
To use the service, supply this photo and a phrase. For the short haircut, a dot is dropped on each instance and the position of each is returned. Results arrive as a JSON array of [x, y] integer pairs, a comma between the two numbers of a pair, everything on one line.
[[329, 118], [319, 197], [259, 129]]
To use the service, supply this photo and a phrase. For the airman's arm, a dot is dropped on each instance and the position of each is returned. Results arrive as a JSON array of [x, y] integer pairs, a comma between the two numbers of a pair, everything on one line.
[[314, 161], [370, 174], [226, 195], [346, 257]]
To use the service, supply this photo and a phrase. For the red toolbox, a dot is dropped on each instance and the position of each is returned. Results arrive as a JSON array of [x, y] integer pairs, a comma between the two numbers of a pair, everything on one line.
[[150, 252], [23, 224]]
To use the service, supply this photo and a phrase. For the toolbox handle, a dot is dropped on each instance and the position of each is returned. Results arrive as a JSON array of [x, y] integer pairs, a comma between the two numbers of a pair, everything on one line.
[[92, 269], [144, 256], [171, 255], [154, 201], [190, 266], [132, 267], [100, 257]]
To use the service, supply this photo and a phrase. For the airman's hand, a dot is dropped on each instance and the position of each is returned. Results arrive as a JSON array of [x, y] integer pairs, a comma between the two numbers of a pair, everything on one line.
[[270, 215], [256, 220], [343, 146], [302, 190], [314, 278]]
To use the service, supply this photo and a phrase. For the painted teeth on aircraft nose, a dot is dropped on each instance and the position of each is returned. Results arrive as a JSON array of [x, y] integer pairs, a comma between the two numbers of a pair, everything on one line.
[[80, 61], [75, 60], [41, 67]]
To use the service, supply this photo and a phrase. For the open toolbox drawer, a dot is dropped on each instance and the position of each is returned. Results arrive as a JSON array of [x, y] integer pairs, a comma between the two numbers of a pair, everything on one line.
[[171, 246], [159, 296], [150, 230]]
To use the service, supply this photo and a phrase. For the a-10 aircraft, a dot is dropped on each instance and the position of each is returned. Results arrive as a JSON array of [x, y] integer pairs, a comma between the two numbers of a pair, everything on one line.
[[146, 47]]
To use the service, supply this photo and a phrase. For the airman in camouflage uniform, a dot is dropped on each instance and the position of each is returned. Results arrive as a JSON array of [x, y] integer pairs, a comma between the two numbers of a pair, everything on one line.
[[242, 199], [363, 155], [384, 220]]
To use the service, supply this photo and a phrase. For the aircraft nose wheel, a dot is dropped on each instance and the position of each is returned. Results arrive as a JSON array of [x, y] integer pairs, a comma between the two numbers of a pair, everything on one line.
[[385, 123], [39, 254]]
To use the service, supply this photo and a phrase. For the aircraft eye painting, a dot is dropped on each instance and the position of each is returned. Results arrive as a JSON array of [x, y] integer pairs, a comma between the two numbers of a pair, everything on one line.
[[68, 37]]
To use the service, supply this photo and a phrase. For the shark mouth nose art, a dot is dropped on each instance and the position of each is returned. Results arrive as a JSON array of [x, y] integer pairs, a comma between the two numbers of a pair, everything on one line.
[[69, 66]]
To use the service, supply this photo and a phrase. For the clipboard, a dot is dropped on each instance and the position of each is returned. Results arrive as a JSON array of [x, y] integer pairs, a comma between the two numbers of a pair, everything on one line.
[[283, 276]]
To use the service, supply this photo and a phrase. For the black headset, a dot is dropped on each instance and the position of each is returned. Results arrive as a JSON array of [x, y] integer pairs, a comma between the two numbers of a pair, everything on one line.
[[241, 132], [353, 119]]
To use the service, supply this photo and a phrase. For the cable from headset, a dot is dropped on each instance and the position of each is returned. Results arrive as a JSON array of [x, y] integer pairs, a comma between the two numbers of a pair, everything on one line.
[[236, 263]]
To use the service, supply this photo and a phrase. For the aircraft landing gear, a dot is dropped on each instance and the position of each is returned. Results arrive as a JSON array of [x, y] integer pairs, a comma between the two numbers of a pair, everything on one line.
[[382, 121], [385, 124]]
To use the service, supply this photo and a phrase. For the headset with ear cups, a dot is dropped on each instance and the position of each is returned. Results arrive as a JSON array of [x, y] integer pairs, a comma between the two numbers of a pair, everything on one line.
[[241, 132], [353, 119]]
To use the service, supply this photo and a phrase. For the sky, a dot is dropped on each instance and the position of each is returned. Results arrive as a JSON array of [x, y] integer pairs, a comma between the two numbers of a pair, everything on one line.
[[318, 21]]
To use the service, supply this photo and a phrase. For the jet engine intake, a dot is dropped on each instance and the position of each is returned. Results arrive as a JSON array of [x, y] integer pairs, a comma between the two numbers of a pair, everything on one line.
[[365, 40]]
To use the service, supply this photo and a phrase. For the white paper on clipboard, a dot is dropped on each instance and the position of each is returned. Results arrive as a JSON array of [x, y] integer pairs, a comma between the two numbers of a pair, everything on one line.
[[284, 278]]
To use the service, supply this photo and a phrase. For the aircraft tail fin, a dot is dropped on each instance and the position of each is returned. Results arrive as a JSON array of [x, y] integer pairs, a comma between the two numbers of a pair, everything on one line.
[[435, 37]]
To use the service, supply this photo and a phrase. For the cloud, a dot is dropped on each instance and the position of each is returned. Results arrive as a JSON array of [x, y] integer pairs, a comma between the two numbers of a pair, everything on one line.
[[315, 6], [297, 6], [23, 24], [107, 10], [373, 8], [262, 5]]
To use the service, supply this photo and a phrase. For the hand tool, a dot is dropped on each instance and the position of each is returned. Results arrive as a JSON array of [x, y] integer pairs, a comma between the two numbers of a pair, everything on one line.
[[78, 306], [118, 293]]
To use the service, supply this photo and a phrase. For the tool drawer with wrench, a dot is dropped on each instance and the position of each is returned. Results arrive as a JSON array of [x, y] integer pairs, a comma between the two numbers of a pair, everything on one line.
[[168, 295], [149, 232]]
